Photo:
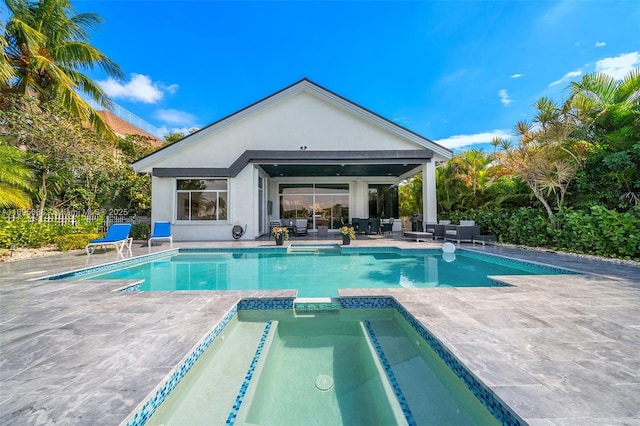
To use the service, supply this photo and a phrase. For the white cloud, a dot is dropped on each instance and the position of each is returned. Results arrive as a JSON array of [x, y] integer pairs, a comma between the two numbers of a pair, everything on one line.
[[504, 97], [600, 44], [140, 89], [517, 75], [460, 141], [174, 117], [567, 77], [619, 66]]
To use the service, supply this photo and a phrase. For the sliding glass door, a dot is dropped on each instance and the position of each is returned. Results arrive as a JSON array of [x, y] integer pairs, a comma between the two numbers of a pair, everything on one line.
[[323, 205]]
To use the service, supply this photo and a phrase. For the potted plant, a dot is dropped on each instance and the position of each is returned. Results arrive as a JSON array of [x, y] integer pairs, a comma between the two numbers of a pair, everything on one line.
[[348, 234], [280, 234]]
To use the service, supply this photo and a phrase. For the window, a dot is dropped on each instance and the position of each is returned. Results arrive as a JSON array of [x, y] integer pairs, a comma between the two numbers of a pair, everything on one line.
[[202, 199]]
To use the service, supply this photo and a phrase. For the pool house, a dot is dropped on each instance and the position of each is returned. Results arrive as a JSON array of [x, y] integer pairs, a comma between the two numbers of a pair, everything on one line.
[[303, 152]]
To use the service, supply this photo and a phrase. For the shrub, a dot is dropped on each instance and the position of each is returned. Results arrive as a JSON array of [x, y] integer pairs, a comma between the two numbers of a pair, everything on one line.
[[597, 231], [24, 233], [74, 241], [140, 231]]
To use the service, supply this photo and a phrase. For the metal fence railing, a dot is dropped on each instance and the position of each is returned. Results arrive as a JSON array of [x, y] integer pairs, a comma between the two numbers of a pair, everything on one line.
[[71, 217]]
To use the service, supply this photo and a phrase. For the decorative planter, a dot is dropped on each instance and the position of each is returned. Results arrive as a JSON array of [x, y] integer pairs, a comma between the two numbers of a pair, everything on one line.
[[346, 240], [279, 240]]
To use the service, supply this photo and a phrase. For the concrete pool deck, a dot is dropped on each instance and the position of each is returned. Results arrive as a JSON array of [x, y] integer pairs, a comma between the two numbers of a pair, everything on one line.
[[558, 349]]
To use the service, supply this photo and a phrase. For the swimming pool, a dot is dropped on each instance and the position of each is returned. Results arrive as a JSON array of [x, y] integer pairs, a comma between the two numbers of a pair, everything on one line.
[[313, 273], [351, 366]]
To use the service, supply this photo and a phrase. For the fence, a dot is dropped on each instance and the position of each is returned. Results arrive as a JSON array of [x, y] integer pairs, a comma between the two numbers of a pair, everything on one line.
[[70, 217]]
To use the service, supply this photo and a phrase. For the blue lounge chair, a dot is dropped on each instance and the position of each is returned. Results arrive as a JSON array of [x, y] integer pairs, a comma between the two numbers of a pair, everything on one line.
[[117, 236], [161, 231]]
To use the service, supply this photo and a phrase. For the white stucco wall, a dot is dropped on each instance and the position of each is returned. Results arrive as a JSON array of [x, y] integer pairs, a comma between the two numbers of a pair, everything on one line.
[[302, 119]]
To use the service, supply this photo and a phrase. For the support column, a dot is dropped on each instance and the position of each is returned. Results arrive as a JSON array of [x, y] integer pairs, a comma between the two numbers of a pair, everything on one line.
[[429, 200]]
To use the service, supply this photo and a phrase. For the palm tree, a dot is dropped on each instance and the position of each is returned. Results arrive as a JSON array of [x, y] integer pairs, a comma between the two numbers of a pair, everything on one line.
[[46, 47], [15, 178], [607, 113], [546, 157]]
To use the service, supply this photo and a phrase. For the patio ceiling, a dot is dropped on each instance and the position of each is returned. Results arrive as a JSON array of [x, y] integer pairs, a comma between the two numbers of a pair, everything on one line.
[[299, 170], [301, 163]]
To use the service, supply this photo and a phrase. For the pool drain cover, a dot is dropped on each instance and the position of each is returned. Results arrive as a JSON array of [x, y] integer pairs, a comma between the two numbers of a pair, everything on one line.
[[324, 382]]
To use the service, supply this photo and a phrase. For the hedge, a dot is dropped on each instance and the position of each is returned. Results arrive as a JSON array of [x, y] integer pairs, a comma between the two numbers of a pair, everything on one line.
[[24, 233], [597, 231]]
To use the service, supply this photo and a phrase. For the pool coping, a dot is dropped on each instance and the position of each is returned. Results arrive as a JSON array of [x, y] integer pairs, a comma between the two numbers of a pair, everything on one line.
[[498, 408], [503, 334]]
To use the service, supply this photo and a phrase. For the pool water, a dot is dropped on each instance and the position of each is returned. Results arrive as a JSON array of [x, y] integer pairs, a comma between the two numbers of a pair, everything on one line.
[[354, 367], [318, 274]]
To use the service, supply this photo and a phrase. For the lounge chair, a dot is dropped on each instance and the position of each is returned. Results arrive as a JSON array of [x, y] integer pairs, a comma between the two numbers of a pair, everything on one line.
[[161, 231], [117, 236], [437, 229], [300, 227], [418, 236], [463, 232]]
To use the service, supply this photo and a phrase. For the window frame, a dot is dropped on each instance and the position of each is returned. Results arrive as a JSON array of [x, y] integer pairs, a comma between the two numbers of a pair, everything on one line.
[[217, 193]]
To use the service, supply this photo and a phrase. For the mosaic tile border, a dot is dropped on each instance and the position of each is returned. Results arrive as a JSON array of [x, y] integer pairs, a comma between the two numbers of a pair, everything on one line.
[[143, 414], [108, 266], [256, 303], [508, 261], [247, 378], [495, 406], [408, 415]]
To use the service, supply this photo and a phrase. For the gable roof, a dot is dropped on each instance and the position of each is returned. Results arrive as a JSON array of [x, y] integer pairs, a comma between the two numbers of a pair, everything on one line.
[[304, 85]]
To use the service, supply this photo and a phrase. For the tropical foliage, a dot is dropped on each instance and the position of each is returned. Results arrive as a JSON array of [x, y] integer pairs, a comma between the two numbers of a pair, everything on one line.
[[57, 151], [570, 179], [45, 48], [280, 232], [348, 231], [15, 178]]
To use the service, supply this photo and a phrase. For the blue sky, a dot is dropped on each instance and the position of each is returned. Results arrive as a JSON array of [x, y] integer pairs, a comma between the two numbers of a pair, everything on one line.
[[456, 72]]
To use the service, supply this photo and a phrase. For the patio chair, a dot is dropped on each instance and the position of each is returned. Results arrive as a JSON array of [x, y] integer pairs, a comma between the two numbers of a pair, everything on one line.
[[117, 236], [161, 231], [355, 222], [374, 225], [300, 227], [275, 223], [387, 226]]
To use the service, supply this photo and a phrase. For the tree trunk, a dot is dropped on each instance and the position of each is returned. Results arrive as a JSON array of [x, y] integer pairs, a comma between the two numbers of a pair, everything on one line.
[[544, 202], [43, 198]]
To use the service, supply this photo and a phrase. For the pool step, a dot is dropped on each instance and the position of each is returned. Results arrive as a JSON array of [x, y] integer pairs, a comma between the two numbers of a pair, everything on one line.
[[314, 248]]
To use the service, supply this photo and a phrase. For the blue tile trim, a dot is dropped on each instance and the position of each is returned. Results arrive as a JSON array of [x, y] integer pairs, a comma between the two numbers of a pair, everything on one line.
[[253, 304], [491, 401], [408, 415], [508, 261], [495, 406], [151, 404], [247, 378], [113, 265]]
